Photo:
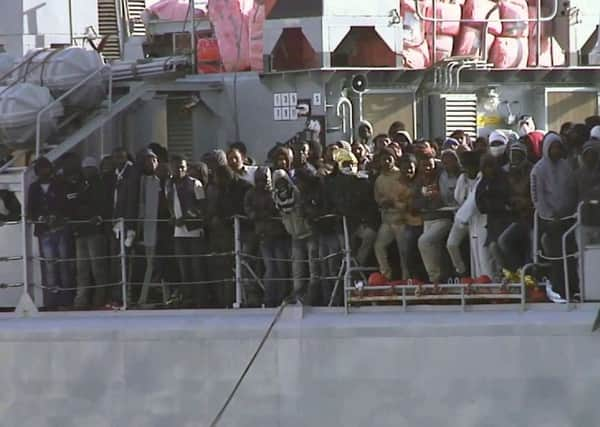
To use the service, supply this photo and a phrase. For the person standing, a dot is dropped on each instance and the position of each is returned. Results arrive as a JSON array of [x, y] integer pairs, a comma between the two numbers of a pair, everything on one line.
[[47, 209], [152, 212], [553, 192], [88, 208], [392, 195], [187, 201], [273, 240]]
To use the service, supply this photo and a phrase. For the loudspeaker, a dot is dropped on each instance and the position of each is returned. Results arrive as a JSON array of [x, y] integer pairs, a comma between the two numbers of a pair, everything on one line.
[[359, 83]]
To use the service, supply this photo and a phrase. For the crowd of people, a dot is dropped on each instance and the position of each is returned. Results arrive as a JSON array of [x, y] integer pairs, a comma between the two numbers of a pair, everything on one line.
[[456, 207]]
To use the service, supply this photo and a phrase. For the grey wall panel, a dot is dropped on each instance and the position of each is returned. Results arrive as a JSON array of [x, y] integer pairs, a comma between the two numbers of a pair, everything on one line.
[[376, 369]]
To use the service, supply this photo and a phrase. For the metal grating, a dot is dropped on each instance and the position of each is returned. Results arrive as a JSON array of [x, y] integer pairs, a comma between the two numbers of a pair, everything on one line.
[[107, 22], [460, 113], [179, 128]]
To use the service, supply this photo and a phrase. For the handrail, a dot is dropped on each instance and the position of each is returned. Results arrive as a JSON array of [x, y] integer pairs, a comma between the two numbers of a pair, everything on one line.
[[577, 224], [537, 255], [479, 21], [538, 19], [566, 261], [63, 96], [23, 63]]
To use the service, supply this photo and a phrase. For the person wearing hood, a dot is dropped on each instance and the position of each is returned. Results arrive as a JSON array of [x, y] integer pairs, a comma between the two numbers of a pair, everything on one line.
[[469, 222], [587, 178], [492, 199], [595, 133], [274, 242], [305, 245], [351, 196], [365, 132], [499, 147], [552, 181], [361, 152], [436, 204], [553, 192], [578, 135], [403, 138], [393, 196], [515, 241]]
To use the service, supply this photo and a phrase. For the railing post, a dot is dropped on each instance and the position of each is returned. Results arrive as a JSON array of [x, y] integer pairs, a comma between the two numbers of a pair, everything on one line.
[[238, 263], [24, 232], [123, 263], [348, 261], [535, 242]]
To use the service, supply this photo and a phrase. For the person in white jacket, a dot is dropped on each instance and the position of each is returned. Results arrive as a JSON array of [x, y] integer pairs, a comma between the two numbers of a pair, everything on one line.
[[469, 222]]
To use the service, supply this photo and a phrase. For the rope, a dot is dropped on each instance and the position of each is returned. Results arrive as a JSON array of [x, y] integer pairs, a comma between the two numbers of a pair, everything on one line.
[[11, 285], [291, 279], [60, 289], [249, 365], [216, 254], [319, 259], [11, 258], [62, 260], [201, 283]]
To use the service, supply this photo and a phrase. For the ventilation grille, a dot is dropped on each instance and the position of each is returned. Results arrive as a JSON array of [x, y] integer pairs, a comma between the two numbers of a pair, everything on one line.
[[135, 9], [460, 112], [179, 129], [107, 22]]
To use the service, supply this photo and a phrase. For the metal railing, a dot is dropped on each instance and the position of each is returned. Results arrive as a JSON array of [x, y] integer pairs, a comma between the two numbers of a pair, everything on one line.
[[485, 24], [351, 276], [539, 256]]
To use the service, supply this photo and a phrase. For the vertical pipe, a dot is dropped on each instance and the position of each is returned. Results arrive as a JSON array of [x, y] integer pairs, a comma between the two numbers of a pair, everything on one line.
[[123, 262], [434, 43], [538, 37], [348, 261], [193, 34], [71, 21], [238, 263]]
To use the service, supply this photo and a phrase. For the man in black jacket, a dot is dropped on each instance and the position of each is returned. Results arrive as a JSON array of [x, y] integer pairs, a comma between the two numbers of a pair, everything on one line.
[[88, 208], [47, 209], [119, 180]]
